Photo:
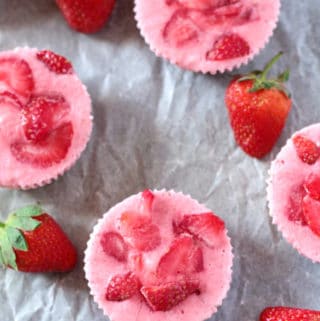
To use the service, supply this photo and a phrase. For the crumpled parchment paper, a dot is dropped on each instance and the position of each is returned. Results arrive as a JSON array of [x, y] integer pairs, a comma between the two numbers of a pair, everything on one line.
[[159, 126]]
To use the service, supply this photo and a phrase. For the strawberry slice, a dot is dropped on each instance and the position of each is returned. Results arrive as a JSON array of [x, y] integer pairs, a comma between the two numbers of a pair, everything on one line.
[[290, 314], [228, 46], [306, 149], [165, 296], [202, 4], [16, 77], [312, 186], [311, 210], [228, 11], [55, 63], [7, 97], [207, 227], [48, 152], [183, 257], [122, 287], [147, 201], [114, 245], [41, 114], [180, 30], [139, 231], [294, 207]]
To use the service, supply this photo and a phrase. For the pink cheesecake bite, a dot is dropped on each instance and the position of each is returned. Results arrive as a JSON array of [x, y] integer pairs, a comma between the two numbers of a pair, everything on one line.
[[45, 117], [159, 255], [294, 191], [207, 35]]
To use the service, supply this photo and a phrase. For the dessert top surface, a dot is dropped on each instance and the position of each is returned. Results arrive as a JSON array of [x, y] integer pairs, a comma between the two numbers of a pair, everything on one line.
[[45, 116], [165, 239], [293, 191], [207, 35]]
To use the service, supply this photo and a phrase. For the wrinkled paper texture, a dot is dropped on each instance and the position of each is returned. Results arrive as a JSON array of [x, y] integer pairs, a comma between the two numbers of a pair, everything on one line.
[[158, 126]]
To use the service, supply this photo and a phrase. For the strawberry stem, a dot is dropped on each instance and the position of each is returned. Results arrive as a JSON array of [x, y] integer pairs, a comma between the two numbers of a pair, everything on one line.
[[269, 65], [260, 81]]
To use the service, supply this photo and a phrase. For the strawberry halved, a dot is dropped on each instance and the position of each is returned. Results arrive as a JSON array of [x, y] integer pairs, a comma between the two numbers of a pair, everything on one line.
[[165, 296], [183, 257], [114, 245], [306, 149], [122, 287], [228, 46], [55, 63], [41, 114], [180, 30], [16, 77], [207, 227], [311, 211], [139, 231], [48, 152]]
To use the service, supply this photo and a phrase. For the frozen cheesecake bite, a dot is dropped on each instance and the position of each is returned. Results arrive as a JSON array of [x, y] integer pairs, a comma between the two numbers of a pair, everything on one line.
[[159, 256], [45, 117], [294, 191], [207, 35]]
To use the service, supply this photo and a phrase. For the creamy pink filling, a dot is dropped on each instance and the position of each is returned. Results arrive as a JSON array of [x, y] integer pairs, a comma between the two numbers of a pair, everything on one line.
[[204, 22], [288, 174], [15, 173], [214, 277]]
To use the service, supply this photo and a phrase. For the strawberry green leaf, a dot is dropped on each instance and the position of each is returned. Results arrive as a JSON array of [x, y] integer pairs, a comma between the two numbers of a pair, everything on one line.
[[8, 255], [284, 76], [22, 223], [16, 239], [29, 211]]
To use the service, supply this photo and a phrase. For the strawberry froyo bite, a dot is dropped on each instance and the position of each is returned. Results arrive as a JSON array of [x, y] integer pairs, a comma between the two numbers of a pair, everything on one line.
[[45, 117], [294, 191], [159, 255], [207, 35]]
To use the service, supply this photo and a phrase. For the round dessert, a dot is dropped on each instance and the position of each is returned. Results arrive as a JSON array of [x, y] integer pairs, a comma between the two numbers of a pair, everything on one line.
[[159, 256], [294, 191], [45, 117], [207, 35]]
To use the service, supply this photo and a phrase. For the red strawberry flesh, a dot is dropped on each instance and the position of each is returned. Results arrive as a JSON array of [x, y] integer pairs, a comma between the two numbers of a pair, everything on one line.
[[41, 114], [294, 207], [16, 77], [183, 257], [114, 245], [147, 201], [49, 151], [139, 231], [122, 287], [311, 211], [166, 296], [207, 227], [289, 314], [180, 30], [228, 46], [54, 62], [306, 149], [312, 186]]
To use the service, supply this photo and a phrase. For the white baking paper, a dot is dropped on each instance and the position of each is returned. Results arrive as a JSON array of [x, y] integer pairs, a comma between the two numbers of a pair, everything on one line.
[[158, 126]]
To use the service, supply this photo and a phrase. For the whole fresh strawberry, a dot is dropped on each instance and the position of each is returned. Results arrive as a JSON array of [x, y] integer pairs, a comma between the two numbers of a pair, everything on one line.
[[86, 16], [258, 108], [32, 241], [292, 314]]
